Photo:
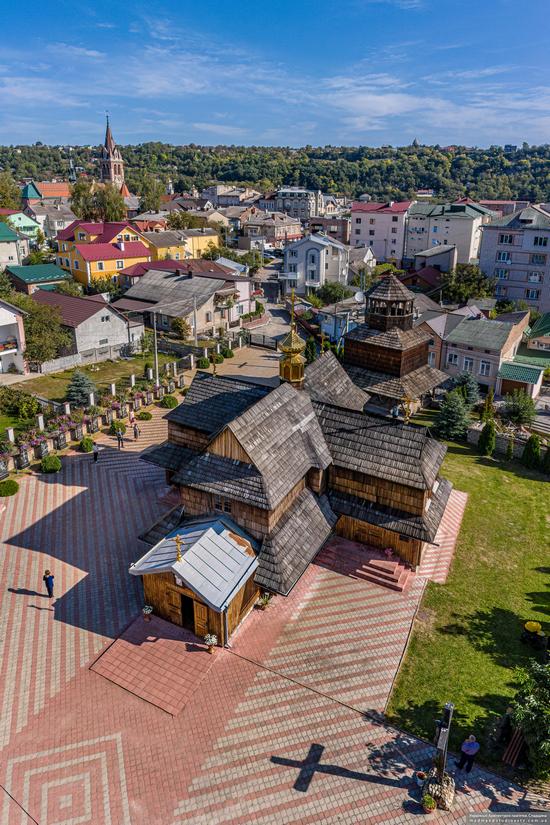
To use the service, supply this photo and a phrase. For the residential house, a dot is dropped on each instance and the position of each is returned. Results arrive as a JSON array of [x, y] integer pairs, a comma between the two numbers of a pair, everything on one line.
[[212, 193], [188, 204], [361, 262], [294, 201], [427, 279], [272, 228], [12, 338], [313, 261], [444, 258], [446, 224], [36, 276], [438, 322], [46, 190], [14, 248], [538, 336], [167, 245], [503, 208], [381, 226], [51, 216], [98, 331], [21, 223], [515, 250], [200, 240], [237, 196], [334, 227]]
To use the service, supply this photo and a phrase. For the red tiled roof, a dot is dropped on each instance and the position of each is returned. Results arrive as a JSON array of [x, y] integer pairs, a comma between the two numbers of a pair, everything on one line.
[[428, 274], [67, 234], [54, 190], [394, 207], [74, 311], [109, 231], [4, 211], [111, 252], [198, 266]]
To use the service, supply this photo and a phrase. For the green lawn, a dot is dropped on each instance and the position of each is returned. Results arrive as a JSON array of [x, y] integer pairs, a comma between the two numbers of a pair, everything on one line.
[[54, 386], [465, 641]]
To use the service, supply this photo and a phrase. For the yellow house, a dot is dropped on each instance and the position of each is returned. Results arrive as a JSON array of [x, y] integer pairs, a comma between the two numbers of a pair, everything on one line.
[[89, 262], [179, 244]]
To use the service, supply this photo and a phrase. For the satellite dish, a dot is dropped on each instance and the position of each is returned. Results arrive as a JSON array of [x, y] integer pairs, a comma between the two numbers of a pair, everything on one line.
[[359, 297]]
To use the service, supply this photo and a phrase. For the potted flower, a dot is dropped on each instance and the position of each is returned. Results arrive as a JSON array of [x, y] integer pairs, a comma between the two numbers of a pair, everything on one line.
[[211, 640], [428, 803], [146, 611], [263, 601], [420, 777]]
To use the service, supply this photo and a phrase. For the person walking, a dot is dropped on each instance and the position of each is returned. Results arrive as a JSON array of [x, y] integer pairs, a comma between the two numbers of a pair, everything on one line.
[[95, 451], [48, 578], [136, 431], [468, 752], [119, 439]]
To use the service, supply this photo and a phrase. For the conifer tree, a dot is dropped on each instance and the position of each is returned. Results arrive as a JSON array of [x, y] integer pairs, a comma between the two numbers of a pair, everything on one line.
[[469, 388], [531, 453], [453, 418], [510, 449], [311, 350], [487, 440], [79, 389]]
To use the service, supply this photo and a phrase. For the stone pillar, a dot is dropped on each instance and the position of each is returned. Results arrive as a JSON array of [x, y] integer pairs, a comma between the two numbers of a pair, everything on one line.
[[11, 434], [240, 340], [230, 343], [217, 349], [113, 389], [174, 368], [149, 374], [40, 421], [132, 380], [67, 408], [191, 361], [205, 352], [91, 399]]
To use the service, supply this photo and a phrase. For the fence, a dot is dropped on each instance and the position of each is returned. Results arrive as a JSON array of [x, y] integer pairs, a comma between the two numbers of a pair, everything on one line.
[[256, 340]]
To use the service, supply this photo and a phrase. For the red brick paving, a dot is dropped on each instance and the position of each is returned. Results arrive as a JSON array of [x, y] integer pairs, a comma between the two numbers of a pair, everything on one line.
[[78, 748], [157, 661]]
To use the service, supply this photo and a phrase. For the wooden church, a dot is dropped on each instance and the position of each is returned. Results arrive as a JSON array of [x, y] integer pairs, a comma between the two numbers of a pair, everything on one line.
[[266, 475]]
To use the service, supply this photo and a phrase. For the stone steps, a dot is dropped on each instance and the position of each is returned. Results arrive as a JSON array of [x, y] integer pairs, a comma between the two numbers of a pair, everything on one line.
[[388, 574]]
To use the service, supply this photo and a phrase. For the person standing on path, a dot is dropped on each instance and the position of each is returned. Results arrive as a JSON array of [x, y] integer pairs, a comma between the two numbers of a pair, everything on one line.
[[136, 431], [95, 450], [468, 752], [48, 578], [119, 439]]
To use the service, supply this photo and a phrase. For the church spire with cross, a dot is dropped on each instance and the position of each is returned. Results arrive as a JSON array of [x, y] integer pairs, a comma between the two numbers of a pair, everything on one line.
[[292, 363], [111, 163]]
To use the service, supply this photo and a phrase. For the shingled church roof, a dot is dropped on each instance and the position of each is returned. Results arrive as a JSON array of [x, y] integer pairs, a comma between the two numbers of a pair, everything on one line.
[[393, 338], [327, 381], [225, 477], [386, 449], [213, 401], [412, 385], [389, 288], [168, 455], [298, 536]]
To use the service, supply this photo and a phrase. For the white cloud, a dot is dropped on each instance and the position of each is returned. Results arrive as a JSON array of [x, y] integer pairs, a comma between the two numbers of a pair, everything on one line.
[[76, 51], [220, 129]]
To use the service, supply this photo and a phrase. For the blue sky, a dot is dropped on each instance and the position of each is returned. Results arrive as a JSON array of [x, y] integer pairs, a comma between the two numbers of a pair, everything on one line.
[[276, 72]]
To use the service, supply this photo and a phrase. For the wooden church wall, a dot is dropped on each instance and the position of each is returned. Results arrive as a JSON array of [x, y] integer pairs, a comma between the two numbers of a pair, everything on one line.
[[187, 437], [225, 444], [409, 550], [386, 493]]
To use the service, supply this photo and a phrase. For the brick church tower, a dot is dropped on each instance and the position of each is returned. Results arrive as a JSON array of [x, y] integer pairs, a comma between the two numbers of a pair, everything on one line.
[[111, 163]]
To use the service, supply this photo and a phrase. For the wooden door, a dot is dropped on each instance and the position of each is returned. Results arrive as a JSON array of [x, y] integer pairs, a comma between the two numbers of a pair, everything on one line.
[[201, 619]]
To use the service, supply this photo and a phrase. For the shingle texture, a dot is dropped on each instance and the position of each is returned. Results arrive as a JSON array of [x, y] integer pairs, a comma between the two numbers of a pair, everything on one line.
[[390, 288], [327, 381], [299, 535], [282, 437], [413, 385], [169, 521], [168, 455], [394, 338], [524, 373], [214, 401], [421, 527], [385, 449], [225, 477]]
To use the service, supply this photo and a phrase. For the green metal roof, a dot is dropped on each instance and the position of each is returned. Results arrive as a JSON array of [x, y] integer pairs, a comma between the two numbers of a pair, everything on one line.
[[30, 191], [38, 273], [48, 287], [534, 357], [6, 233], [481, 333], [541, 326], [520, 372]]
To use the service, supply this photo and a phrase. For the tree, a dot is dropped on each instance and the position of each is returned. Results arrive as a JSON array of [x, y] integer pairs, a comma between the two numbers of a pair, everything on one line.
[[69, 288], [181, 327], [79, 389], [468, 387], [531, 712], [6, 286], [10, 194], [466, 281], [453, 418], [109, 204], [488, 413], [151, 192], [183, 220], [45, 337], [531, 453], [331, 292], [510, 449], [519, 408], [487, 440], [545, 466], [82, 199], [146, 342], [99, 286], [36, 256], [311, 350]]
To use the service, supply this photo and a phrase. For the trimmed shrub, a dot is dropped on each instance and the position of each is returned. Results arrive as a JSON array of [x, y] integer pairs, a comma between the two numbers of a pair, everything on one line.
[[510, 449], [87, 444], [143, 415], [8, 487], [50, 464], [545, 467], [487, 440], [169, 401], [227, 352], [203, 363], [184, 391], [117, 427], [218, 358], [531, 453]]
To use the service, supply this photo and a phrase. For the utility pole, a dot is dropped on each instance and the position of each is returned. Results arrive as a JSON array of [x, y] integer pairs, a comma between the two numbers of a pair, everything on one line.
[[195, 318], [155, 350]]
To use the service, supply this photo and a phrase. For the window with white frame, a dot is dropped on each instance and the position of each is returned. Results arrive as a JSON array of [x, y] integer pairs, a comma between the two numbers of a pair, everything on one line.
[[431, 358], [485, 368], [372, 220], [100, 266], [540, 240], [208, 317], [504, 256], [501, 274], [500, 291], [357, 220], [534, 277], [506, 239], [538, 260], [468, 364], [120, 264], [452, 359], [76, 265], [532, 294]]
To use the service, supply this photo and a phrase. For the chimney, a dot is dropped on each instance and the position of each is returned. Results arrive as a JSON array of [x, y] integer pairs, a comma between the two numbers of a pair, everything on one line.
[[391, 203]]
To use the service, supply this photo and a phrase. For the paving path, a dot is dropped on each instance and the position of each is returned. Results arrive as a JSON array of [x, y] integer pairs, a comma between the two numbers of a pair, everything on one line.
[[285, 727]]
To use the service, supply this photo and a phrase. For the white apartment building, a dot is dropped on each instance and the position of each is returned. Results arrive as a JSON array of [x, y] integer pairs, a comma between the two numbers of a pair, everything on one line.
[[448, 224], [295, 201], [515, 250], [308, 264], [382, 227]]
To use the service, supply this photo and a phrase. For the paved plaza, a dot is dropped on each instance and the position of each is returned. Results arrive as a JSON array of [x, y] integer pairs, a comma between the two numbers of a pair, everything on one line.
[[284, 727]]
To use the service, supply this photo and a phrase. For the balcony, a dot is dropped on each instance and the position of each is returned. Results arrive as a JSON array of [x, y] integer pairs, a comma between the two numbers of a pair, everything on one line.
[[8, 346]]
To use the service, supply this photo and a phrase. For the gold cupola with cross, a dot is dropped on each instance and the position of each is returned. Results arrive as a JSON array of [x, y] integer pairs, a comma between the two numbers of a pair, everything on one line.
[[292, 363]]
